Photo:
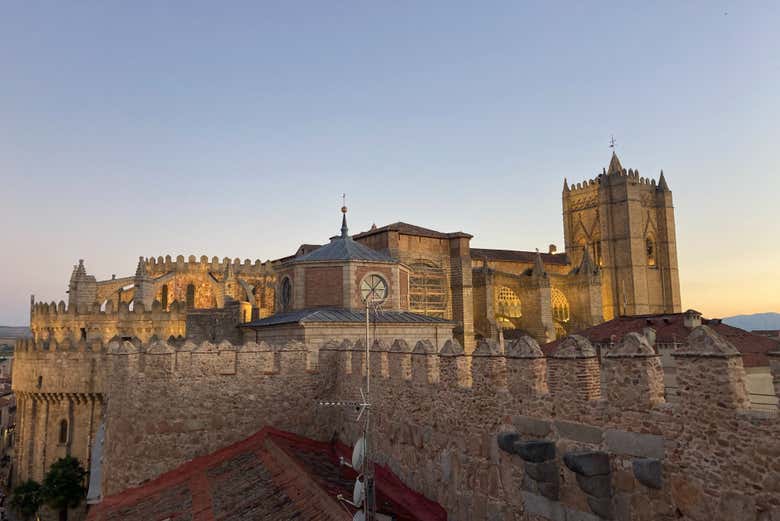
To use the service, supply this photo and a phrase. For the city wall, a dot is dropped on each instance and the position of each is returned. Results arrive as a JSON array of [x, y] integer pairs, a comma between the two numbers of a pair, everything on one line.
[[60, 323], [513, 435], [502, 434]]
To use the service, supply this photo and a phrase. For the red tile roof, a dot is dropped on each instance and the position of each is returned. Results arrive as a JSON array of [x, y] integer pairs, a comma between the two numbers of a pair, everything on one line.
[[270, 475], [411, 229], [518, 256], [669, 328]]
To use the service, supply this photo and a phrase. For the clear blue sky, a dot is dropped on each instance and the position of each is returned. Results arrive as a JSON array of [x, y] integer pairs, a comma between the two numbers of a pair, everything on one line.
[[231, 129]]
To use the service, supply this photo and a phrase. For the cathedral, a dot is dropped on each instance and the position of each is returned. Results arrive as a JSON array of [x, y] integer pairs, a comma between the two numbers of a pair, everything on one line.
[[620, 259]]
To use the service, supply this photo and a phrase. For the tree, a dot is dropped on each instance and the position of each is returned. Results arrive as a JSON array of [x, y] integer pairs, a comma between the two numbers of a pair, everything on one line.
[[26, 498], [63, 486]]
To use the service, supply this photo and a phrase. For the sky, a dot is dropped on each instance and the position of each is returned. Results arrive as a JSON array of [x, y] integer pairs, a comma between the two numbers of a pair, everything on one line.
[[233, 128]]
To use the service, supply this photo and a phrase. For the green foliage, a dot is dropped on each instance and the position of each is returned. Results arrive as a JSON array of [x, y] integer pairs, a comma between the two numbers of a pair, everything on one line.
[[63, 486], [26, 499]]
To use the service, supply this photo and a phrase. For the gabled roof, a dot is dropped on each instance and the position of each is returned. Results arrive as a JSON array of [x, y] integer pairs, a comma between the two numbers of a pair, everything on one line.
[[270, 475], [670, 328], [518, 256], [314, 315], [411, 229]]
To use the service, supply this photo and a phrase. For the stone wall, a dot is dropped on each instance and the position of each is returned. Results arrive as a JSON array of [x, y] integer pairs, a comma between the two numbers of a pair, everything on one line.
[[170, 404], [501, 434], [58, 322], [55, 383], [492, 440]]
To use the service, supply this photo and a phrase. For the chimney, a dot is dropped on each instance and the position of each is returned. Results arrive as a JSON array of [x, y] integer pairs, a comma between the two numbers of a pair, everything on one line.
[[552, 249], [691, 319]]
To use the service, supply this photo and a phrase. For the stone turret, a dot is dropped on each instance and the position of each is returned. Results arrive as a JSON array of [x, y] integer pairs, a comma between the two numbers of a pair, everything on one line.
[[144, 287], [82, 289]]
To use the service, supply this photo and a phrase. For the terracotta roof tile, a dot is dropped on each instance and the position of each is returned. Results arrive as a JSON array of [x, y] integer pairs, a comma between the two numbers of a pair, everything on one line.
[[670, 328], [518, 256], [270, 475], [411, 229]]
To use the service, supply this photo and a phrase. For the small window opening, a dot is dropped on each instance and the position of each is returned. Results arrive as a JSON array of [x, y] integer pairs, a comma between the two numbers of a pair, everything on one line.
[[190, 296], [64, 431], [650, 248]]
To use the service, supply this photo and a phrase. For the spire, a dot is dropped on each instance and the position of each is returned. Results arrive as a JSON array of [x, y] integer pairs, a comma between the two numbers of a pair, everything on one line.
[[565, 185], [662, 182], [344, 229], [78, 271], [614, 165], [140, 271], [538, 269], [229, 272]]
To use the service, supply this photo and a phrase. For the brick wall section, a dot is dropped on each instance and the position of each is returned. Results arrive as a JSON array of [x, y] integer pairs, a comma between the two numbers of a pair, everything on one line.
[[324, 286]]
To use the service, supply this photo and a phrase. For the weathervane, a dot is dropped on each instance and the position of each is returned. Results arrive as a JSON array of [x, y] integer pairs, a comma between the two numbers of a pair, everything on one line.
[[612, 143]]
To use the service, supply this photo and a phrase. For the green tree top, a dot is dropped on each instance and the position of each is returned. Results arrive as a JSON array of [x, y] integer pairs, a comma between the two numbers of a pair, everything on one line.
[[26, 498], [63, 486]]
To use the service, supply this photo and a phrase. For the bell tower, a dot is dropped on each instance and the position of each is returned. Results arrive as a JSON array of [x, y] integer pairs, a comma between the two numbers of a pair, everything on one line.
[[627, 224]]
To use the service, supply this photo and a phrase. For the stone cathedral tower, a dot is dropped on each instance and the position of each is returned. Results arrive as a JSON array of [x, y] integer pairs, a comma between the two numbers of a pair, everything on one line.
[[627, 224]]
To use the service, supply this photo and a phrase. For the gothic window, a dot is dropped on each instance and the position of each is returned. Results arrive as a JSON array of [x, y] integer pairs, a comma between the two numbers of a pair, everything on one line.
[[560, 305], [164, 297], [190, 296], [285, 294], [428, 290], [650, 250], [373, 288], [508, 306], [64, 431]]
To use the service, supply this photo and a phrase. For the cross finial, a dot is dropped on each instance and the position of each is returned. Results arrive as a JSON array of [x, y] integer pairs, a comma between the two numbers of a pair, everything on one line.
[[343, 203], [612, 143]]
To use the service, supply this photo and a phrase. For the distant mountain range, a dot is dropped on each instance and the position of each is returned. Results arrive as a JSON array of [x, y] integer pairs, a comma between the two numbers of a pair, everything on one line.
[[755, 321]]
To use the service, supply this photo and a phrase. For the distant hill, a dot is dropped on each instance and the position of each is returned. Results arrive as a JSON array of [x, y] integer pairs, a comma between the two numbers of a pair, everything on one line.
[[755, 321], [8, 336], [14, 332]]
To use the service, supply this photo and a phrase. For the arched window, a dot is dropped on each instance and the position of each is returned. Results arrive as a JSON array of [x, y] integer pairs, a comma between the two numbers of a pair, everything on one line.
[[508, 306], [164, 297], [650, 249], [285, 294], [64, 431], [560, 305], [598, 258], [190, 296], [428, 289]]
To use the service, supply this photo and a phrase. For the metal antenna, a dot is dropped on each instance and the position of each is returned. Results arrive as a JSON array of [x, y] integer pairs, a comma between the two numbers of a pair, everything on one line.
[[364, 498]]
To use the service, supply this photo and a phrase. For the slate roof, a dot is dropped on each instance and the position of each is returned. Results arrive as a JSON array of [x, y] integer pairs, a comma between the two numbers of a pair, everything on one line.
[[411, 229], [518, 256], [669, 328], [270, 475], [344, 315], [343, 249]]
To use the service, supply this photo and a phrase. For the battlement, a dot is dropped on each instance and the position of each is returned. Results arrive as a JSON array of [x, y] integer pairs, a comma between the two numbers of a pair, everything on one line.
[[570, 379], [156, 266], [58, 321], [621, 176]]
